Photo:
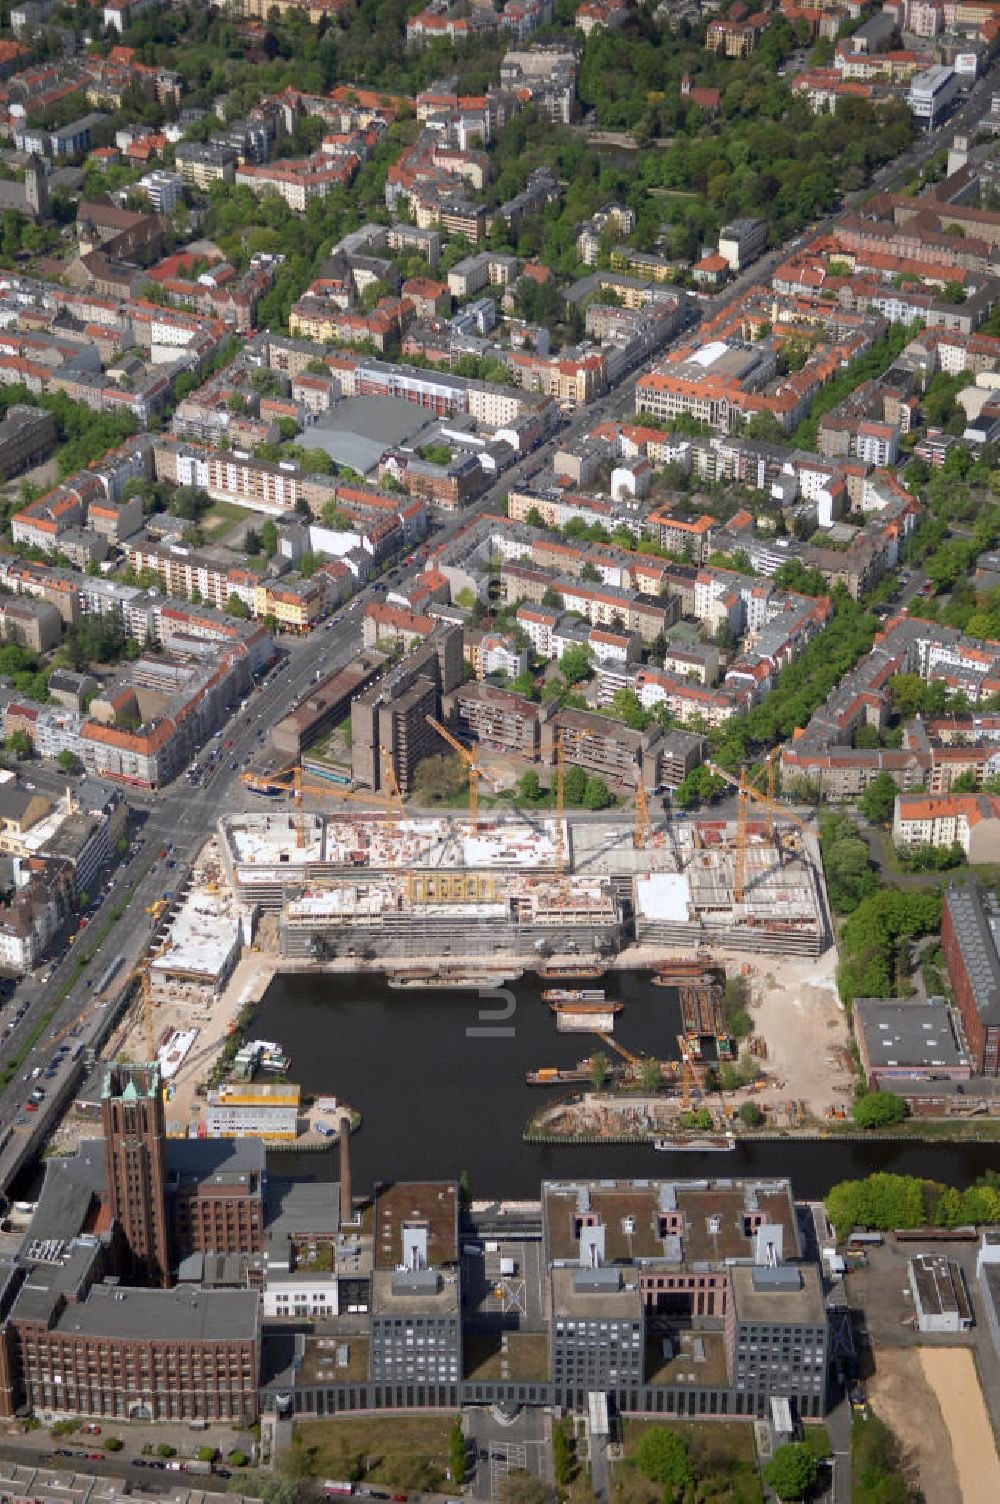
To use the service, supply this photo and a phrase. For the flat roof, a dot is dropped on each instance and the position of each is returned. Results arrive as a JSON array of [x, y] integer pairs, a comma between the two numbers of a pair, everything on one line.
[[800, 1302], [649, 1219], [434, 1298], [939, 1286], [182, 1314], [569, 1298], [901, 1032], [432, 1204], [358, 430]]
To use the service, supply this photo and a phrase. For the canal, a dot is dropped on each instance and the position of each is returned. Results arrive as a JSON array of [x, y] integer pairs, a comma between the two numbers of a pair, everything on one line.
[[440, 1084]]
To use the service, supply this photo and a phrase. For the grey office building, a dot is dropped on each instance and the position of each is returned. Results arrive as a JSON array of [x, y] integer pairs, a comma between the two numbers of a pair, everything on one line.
[[415, 1330], [777, 1336], [597, 1332]]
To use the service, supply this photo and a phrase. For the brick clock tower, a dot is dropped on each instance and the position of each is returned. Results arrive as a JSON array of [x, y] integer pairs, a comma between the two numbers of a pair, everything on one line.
[[135, 1148]]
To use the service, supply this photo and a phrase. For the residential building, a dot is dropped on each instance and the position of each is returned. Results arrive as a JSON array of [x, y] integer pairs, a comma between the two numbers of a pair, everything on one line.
[[742, 241], [27, 436]]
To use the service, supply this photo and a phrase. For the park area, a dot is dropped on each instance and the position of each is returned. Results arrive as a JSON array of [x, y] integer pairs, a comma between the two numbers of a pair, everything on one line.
[[403, 1451], [720, 1457]]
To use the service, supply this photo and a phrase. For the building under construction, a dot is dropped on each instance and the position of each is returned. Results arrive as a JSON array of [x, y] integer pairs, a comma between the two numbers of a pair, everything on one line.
[[371, 886]]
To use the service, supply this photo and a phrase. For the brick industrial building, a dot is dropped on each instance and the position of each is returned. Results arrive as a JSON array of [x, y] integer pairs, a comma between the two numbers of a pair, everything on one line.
[[970, 929], [74, 1337]]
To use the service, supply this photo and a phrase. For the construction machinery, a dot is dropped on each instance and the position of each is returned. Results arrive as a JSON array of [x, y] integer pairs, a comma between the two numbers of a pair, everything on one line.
[[747, 791], [291, 781], [394, 799], [612, 1044], [643, 830], [691, 1084], [140, 973], [473, 766]]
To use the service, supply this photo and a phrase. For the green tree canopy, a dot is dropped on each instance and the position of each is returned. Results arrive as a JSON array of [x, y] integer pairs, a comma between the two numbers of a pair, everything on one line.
[[879, 1109], [791, 1472], [665, 1457]]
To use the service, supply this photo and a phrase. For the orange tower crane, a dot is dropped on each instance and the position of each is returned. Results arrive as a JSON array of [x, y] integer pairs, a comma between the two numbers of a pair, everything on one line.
[[473, 766], [643, 828], [747, 791]]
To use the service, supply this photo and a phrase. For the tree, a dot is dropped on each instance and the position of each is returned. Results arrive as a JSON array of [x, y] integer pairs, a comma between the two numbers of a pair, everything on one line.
[[850, 876], [520, 1487], [68, 761], [574, 784], [650, 1075], [879, 1201], [792, 1471], [531, 788], [879, 1109], [879, 799], [438, 778], [562, 1454], [269, 537], [19, 743], [237, 607], [698, 787], [665, 1457], [598, 1069], [574, 664], [456, 1453], [596, 794], [751, 1115]]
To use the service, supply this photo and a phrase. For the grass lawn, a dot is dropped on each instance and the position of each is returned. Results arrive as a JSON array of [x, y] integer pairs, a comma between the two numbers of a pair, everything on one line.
[[404, 1451], [222, 515], [723, 1454]]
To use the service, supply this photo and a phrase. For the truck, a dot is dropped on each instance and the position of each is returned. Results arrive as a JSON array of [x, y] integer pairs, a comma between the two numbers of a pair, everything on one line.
[[335, 1488], [324, 1129]]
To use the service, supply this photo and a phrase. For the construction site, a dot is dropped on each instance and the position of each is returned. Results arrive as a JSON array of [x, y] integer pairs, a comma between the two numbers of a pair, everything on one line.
[[469, 899], [391, 884], [439, 886]]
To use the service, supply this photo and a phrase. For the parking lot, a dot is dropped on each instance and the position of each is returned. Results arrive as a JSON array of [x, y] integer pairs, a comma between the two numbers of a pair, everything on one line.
[[501, 1445]]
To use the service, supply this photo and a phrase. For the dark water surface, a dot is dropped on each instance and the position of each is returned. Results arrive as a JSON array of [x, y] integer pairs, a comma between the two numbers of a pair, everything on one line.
[[438, 1098]]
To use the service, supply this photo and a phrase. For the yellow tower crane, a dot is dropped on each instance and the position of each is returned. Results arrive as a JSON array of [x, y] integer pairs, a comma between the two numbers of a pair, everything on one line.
[[473, 766], [747, 791], [393, 797], [291, 781], [642, 833]]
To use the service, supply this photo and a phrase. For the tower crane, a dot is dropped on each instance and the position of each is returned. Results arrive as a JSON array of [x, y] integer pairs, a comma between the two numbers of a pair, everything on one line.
[[393, 797], [643, 829], [291, 781], [608, 1039], [747, 791], [473, 765]]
